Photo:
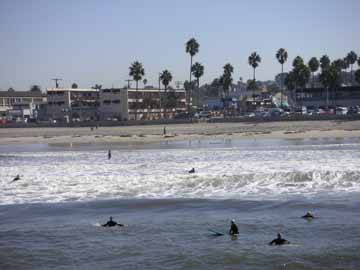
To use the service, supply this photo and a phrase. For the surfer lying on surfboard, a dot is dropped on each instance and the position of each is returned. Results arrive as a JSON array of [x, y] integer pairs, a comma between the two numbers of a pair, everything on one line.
[[112, 223], [279, 241]]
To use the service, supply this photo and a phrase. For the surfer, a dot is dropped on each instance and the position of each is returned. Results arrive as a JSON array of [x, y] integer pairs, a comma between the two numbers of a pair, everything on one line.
[[233, 228], [192, 170], [112, 223], [16, 178], [109, 154], [279, 241], [308, 215]]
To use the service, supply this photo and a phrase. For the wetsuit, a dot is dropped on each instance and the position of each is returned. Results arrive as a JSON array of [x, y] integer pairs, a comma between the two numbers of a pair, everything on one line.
[[192, 170], [279, 241], [308, 215], [111, 223], [233, 229]]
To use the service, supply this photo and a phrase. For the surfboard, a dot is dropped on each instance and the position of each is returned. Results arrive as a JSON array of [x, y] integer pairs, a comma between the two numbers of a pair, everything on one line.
[[216, 233]]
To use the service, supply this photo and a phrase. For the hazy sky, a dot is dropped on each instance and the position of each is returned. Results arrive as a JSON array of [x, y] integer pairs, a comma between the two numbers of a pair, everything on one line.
[[90, 42]]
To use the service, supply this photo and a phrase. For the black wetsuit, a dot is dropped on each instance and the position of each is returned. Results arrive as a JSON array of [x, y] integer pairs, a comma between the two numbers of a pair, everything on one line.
[[233, 229], [111, 223], [279, 241], [308, 216], [192, 170]]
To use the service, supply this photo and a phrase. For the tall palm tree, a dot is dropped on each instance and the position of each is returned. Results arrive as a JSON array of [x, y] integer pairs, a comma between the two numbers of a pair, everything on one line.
[[314, 65], [281, 56], [352, 57], [165, 78], [192, 48], [302, 76], [298, 62], [198, 70], [324, 62], [136, 71], [226, 80], [254, 60]]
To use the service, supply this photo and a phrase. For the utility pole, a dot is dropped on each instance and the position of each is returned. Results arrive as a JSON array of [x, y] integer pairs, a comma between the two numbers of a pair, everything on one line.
[[56, 82], [128, 81]]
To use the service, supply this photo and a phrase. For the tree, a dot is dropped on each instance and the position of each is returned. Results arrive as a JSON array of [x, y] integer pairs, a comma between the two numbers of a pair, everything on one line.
[[74, 86], [301, 75], [314, 65], [198, 70], [324, 62], [330, 78], [254, 60], [345, 68], [97, 86], [226, 79], [252, 86], [192, 48], [144, 82], [136, 71], [166, 78], [281, 56], [352, 57], [35, 88], [11, 89]]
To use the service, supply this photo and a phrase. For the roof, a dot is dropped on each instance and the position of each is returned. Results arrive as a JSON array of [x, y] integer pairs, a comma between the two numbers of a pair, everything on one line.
[[71, 90], [21, 94]]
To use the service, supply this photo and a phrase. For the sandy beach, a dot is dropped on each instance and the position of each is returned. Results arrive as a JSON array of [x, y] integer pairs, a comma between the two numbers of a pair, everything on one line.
[[196, 131]]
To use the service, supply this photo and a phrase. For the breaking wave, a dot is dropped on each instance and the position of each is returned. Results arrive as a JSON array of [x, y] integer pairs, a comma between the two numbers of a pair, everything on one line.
[[224, 173]]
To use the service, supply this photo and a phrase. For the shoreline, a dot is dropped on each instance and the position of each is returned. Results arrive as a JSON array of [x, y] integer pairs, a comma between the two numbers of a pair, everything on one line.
[[182, 132]]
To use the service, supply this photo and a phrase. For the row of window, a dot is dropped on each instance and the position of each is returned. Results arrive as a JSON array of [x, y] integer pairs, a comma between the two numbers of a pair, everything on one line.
[[115, 91], [59, 103], [107, 102]]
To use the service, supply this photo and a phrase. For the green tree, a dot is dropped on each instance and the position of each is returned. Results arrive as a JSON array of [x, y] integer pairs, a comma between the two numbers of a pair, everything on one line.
[[226, 79], [297, 62], [345, 68], [166, 78], [301, 74], [324, 62], [330, 79], [144, 82], [192, 48], [314, 65], [74, 86], [254, 60], [281, 56], [97, 87], [35, 88], [352, 57], [198, 71], [136, 71]]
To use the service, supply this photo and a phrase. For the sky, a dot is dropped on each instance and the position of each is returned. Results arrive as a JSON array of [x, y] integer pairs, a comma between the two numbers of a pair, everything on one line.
[[94, 41]]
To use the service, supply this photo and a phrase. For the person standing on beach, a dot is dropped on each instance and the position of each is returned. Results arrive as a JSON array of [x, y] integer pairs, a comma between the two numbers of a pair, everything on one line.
[[109, 154], [164, 133]]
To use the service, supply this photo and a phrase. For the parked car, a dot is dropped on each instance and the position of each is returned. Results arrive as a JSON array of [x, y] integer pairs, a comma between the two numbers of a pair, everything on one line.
[[341, 111]]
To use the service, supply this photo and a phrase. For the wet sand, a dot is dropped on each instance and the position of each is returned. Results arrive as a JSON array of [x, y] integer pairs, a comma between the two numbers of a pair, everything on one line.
[[154, 133]]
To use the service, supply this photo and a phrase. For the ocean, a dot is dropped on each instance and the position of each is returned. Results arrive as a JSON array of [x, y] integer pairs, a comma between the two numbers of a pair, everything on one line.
[[51, 218]]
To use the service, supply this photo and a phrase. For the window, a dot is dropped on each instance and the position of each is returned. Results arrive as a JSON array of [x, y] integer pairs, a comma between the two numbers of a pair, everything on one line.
[[107, 102], [106, 91], [117, 101], [116, 91]]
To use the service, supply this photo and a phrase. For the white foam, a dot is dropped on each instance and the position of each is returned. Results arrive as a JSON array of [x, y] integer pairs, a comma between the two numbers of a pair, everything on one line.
[[220, 173]]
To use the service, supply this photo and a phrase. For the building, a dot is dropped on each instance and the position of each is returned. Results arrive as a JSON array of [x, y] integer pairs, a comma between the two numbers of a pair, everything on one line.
[[20, 104], [321, 97], [113, 104], [152, 104], [72, 104]]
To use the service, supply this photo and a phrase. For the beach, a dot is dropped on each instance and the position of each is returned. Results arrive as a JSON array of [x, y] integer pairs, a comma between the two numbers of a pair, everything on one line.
[[182, 132]]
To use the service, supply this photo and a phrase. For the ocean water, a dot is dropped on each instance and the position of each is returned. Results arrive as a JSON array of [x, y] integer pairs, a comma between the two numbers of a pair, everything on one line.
[[50, 219]]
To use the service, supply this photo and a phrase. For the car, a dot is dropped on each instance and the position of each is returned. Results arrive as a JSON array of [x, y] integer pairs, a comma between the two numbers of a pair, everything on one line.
[[204, 114]]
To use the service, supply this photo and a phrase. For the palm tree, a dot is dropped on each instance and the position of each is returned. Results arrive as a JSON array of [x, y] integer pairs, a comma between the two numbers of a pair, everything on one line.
[[226, 80], [165, 78], [254, 60], [324, 62], [314, 65], [352, 57], [302, 76], [97, 86], [136, 70], [74, 86], [144, 82], [345, 68], [298, 62], [35, 88], [192, 48], [330, 78], [198, 70], [281, 56]]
